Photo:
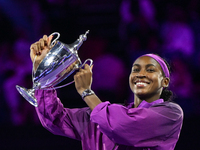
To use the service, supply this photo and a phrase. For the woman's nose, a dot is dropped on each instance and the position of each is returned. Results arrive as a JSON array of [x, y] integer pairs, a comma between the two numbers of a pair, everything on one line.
[[141, 74]]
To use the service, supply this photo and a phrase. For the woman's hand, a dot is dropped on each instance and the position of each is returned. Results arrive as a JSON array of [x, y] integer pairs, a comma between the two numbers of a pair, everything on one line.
[[40, 49], [83, 79]]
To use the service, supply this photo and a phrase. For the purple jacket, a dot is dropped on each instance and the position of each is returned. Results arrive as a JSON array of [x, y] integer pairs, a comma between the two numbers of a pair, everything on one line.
[[150, 126]]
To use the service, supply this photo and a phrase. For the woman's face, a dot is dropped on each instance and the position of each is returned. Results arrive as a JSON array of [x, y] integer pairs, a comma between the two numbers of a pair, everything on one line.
[[146, 78]]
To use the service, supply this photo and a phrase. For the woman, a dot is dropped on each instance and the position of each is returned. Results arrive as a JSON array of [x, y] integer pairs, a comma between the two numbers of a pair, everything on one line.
[[150, 122]]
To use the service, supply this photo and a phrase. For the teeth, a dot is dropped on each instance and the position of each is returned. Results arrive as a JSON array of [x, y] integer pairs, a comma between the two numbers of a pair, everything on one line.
[[141, 83]]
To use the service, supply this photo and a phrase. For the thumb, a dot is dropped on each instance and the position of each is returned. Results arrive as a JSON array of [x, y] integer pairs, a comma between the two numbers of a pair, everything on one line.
[[91, 67], [49, 40]]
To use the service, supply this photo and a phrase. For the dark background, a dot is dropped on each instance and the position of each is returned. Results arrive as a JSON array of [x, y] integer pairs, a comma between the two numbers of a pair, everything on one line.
[[120, 31]]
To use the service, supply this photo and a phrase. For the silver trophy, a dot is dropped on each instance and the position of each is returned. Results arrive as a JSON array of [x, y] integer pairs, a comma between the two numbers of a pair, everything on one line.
[[59, 63]]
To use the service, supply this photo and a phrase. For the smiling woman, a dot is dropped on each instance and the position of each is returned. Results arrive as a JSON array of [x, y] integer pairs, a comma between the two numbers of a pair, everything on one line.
[[149, 122], [149, 76]]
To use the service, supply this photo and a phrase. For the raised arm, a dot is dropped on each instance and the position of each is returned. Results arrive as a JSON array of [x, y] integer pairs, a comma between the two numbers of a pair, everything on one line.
[[59, 120], [50, 110], [83, 81]]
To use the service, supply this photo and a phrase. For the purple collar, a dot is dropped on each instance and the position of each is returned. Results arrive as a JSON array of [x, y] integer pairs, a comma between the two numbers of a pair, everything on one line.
[[145, 104]]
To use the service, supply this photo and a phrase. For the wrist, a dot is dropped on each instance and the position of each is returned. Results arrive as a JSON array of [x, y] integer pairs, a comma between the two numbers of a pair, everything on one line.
[[81, 90], [87, 92]]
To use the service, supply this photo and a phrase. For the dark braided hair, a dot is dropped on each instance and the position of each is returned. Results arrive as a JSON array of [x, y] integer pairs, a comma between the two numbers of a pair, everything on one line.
[[166, 94]]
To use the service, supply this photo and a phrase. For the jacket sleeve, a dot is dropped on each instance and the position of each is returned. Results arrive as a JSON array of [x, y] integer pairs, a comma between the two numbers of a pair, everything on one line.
[[59, 120], [138, 127]]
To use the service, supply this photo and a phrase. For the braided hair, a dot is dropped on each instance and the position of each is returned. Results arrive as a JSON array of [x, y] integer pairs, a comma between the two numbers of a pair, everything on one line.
[[166, 94]]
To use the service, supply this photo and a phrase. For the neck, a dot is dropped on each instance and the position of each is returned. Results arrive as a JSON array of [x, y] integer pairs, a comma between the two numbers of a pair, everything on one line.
[[139, 99]]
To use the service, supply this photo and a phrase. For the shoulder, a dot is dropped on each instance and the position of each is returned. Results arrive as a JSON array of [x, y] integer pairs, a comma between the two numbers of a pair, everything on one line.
[[168, 104], [169, 109]]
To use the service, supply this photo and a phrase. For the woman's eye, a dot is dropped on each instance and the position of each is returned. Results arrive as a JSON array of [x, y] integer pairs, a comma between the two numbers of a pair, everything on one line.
[[135, 70], [150, 70]]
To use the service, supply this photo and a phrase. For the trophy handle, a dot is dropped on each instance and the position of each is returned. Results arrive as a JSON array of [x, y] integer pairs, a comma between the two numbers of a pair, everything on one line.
[[75, 68], [54, 41], [91, 63]]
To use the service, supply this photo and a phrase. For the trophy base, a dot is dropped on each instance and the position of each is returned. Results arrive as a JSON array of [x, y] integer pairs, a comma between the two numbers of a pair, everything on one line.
[[28, 95]]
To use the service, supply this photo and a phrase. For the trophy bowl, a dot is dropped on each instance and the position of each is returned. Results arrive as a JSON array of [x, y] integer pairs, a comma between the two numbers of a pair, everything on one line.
[[59, 63]]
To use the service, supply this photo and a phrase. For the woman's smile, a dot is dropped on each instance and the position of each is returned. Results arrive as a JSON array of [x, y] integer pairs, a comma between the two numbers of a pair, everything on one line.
[[141, 83]]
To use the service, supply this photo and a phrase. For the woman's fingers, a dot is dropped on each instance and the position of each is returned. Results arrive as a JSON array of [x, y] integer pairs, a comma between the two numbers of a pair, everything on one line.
[[42, 43], [32, 49], [38, 48], [32, 52], [87, 67], [45, 37], [49, 40], [92, 67], [35, 49], [83, 79]]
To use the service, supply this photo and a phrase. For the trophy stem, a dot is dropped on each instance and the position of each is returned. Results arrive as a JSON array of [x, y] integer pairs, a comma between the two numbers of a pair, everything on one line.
[[28, 94]]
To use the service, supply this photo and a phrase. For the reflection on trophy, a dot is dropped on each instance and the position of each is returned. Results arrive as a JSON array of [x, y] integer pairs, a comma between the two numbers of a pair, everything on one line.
[[59, 63]]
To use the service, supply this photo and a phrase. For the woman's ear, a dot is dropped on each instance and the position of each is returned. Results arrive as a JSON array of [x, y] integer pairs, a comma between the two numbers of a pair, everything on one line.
[[165, 82]]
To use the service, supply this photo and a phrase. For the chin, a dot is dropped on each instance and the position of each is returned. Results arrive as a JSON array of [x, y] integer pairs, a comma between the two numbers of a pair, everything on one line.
[[141, 94]]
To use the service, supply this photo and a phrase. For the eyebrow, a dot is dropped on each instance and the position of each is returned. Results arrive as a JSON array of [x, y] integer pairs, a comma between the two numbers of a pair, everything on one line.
[[148, 65]]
